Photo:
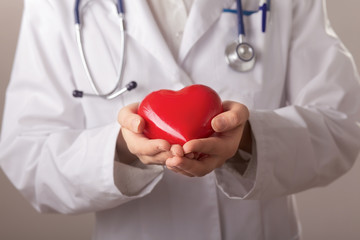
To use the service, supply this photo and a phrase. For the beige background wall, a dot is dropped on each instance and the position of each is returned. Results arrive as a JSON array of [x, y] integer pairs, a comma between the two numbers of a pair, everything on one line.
[[329, 213]]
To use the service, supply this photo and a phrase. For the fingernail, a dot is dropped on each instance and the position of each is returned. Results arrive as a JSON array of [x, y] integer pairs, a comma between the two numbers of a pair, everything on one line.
[[135, 125]]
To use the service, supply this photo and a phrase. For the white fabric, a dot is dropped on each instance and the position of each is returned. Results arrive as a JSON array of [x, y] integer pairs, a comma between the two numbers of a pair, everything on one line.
[[171, 16], [303, 95]]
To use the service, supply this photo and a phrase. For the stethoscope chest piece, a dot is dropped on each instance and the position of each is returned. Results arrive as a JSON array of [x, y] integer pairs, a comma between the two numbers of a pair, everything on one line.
[[240, 56]]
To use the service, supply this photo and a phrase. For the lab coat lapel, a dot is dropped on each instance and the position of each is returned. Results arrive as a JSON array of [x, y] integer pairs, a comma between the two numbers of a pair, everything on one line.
[[142, 27], [202, 15]]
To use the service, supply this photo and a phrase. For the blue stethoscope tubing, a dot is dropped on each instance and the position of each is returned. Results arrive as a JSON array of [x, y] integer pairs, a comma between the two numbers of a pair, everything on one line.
[[264, 8], [240, 15], [239, 55], [119, 7]]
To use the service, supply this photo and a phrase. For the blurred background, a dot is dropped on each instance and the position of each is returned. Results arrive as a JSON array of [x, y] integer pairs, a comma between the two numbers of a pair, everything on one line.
[[329, 213]]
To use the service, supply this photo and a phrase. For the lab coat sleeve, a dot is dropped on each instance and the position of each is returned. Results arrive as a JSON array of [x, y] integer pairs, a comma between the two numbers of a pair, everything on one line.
[[46, 150], [315, 138]]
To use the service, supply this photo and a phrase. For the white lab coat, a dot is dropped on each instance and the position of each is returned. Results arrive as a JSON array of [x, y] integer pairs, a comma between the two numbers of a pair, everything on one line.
[[303, 97]]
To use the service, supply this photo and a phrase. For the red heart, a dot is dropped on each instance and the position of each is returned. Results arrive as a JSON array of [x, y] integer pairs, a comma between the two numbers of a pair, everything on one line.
[[179, 116]]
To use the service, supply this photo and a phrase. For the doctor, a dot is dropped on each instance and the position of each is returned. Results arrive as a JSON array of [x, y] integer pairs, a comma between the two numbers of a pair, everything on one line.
[[290, 123]]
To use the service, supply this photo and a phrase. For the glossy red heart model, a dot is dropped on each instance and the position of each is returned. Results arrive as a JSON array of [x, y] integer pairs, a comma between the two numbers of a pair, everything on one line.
[[179, 116]]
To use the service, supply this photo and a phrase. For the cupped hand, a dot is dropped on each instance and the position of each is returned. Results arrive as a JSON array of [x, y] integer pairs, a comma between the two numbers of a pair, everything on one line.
[[201, 156], [131, 140]]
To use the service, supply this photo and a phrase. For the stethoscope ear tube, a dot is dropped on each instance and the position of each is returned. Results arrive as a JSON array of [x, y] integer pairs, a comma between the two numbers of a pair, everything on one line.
[[120, 7], [77, 12], [240, 15], [83, 58], [116, 91], [264, 9]]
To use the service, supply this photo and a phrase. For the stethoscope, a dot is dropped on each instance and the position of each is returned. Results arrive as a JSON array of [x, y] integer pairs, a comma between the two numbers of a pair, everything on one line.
[[116, 91], [239, 55]]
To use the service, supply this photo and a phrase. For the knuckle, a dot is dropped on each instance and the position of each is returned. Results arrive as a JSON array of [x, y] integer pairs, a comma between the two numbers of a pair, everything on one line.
[[163, 146], [234, 118], [243, 111]]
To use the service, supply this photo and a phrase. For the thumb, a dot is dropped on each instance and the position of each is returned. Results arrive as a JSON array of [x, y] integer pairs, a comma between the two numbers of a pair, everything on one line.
[[233, 116], [129, 119]]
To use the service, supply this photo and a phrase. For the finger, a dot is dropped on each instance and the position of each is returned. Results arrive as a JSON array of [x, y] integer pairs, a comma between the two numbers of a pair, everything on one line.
[[212, 146], [177, 150], [157, 159], [174, 162], [128, 118], [233, 116], [190, 166], [140, 145], [208, 145], [177, 170]]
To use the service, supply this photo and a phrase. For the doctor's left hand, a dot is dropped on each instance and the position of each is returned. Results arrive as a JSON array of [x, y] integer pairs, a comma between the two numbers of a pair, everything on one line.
[[232, 132]]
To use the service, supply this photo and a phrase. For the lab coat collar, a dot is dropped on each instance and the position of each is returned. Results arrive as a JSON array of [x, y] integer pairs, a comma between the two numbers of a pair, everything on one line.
[[142, 27], [202, 15]]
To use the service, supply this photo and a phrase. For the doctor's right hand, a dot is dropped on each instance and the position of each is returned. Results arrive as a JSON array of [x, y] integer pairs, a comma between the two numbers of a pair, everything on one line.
[[132, 142]]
